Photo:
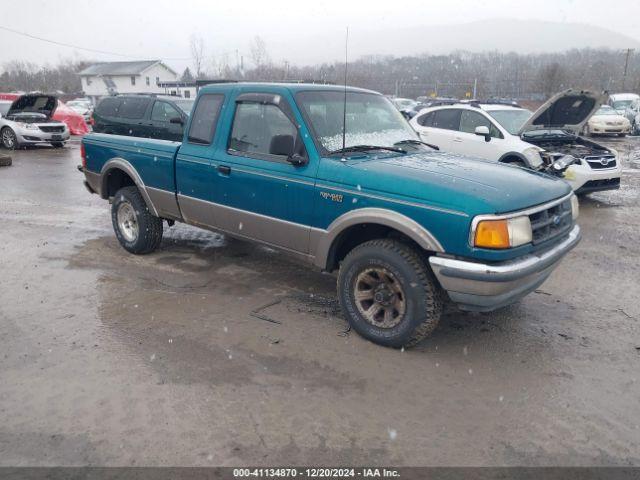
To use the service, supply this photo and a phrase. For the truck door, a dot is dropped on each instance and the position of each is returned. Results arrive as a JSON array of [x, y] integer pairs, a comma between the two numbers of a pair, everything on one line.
[[261, 194], [196, 178]]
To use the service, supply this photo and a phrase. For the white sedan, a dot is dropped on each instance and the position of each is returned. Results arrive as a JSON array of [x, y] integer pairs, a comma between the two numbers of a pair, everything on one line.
[[607, 121]]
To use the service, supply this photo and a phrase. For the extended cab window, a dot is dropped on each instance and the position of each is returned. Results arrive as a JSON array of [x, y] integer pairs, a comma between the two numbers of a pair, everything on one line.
[[256, 126], [447, 119], [205, 118], [163, 112], [470, 120]]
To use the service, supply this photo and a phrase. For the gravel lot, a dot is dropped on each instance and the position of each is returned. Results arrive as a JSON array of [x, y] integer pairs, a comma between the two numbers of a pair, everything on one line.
[[113, 359]]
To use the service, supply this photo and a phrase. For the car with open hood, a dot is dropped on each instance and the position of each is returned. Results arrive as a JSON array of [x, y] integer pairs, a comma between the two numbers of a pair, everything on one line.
[[28, 121], [514, 135]]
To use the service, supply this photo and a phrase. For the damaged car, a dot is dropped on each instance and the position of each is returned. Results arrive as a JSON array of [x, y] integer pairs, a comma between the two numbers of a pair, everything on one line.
[[28, 122], [548, 140]]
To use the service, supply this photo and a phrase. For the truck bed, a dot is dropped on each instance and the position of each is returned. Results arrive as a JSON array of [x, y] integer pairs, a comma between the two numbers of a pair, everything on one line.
[[153, 159]]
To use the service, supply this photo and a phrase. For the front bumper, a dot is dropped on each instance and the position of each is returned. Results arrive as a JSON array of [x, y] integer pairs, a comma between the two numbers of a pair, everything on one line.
[[485, 287], [610, 129], [580, 175], [27, 137]]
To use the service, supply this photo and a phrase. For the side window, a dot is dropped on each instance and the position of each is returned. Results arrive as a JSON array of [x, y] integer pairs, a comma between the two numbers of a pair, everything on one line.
[[447, 119], [133, 108], [256, 127], [109, 107], [426, 120], [205, 118], [163, 112], [469, 120]]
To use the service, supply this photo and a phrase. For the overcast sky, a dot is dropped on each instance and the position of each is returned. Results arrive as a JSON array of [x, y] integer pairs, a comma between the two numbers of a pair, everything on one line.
[[140, 29]]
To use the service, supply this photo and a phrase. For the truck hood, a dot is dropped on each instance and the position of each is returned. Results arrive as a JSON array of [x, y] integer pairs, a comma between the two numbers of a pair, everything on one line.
[[449, 181], [44, 104], [568, 110]]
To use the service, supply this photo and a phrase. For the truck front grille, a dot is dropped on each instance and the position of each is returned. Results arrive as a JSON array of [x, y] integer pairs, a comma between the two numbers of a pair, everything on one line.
[[551, 222], [598, 162], [51, 129]]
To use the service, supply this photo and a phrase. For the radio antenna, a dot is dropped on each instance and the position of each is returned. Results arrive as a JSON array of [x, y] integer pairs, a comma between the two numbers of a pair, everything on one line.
[[344, 110]]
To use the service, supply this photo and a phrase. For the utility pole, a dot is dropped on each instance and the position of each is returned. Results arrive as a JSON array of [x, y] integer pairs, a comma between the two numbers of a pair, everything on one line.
[[626, 65], [475, 88]]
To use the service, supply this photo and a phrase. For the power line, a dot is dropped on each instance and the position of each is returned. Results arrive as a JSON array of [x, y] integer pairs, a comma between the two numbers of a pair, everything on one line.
[[55, 42], [62, 44]]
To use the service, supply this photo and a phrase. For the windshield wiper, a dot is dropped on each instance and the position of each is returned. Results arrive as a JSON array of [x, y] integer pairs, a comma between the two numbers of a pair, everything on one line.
[[411, 141], [366, 148]]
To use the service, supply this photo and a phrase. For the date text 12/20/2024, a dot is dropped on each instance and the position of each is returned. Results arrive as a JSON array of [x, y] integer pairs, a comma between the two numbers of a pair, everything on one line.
[[305, 473]]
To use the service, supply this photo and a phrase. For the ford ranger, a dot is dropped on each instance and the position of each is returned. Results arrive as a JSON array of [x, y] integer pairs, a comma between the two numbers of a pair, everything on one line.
[[337, 177]]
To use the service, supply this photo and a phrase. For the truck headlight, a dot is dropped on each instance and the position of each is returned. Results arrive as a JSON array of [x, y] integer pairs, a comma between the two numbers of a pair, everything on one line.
[[575, 208], [502, 233], [532, 154]]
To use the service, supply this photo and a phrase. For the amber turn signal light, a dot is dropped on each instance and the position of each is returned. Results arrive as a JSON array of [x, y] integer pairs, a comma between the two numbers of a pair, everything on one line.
[[492, 234]]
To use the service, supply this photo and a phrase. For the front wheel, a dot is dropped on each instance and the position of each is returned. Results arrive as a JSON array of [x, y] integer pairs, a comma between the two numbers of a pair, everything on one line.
[[388, 294], [137, 230], [9, 139]]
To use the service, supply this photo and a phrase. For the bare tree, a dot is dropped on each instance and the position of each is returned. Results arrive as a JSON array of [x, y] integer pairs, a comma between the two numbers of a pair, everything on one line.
[[258, 51], [197, 53]]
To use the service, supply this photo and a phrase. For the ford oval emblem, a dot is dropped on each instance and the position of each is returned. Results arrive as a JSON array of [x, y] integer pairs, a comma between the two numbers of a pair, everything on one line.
[[604, 161], [556, 220]]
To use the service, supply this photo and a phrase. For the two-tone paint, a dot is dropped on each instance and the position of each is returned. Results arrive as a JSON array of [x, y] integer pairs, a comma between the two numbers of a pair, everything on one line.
[[431, 197]]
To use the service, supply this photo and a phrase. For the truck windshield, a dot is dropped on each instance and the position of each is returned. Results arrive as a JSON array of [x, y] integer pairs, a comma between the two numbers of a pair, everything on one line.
[[370, 119]]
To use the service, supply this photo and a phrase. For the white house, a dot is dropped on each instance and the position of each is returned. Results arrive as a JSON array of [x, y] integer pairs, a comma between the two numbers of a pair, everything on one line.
[[109, 78]]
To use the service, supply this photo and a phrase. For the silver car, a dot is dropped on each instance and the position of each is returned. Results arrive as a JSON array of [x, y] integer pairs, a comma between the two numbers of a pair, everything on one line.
[[27, 121]]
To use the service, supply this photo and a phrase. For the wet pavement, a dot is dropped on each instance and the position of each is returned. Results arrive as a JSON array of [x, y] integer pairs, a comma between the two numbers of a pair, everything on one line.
[[112, 359]]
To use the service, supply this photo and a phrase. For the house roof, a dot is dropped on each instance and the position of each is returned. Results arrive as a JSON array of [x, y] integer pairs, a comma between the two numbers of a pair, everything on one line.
[[120, 68]]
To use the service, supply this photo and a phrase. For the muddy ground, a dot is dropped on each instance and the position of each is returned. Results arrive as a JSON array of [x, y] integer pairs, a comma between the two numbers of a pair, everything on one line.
[[112, 359]]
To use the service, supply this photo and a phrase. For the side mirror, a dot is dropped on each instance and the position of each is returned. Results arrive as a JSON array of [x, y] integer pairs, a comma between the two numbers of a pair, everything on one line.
[[177, 120], [483, 131]]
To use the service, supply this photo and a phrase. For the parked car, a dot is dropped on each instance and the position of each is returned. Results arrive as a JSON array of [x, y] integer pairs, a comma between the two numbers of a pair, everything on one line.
[[632, 111], [83, 107], [27, 121], [514, 135], [403, 103], [405, 226], [621, 101], [607, 120], [160, 117]]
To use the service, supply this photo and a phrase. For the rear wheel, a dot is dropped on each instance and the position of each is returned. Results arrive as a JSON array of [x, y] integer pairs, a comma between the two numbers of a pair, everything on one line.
[[388, 293], [9, 139], [137, 230]]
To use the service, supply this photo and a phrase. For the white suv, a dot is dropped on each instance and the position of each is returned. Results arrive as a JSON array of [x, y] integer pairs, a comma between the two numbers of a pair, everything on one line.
[[509, 134]]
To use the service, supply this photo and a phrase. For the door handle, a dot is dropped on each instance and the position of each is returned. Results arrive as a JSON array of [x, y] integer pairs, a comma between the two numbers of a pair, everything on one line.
[[223, 169]]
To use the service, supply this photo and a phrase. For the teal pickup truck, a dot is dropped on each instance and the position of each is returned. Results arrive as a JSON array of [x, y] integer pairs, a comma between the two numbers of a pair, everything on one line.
[[405, 226]]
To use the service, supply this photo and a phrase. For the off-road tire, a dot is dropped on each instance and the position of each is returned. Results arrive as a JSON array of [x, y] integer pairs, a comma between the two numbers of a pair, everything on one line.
[[420, 289], [149, 227], [5, 160], [6, 131]]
